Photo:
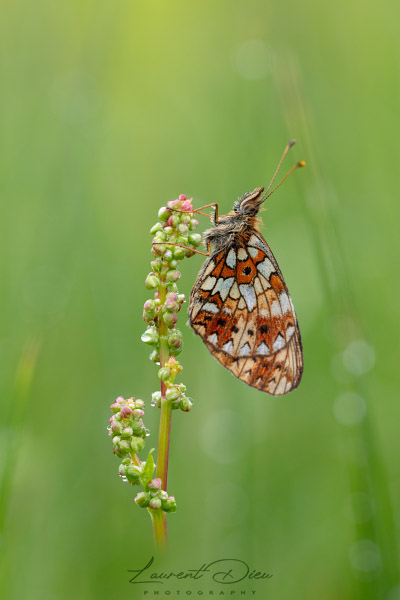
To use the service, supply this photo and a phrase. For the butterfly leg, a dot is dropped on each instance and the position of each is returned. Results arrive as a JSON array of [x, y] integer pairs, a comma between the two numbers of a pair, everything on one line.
[[198, 211], [185, 247]]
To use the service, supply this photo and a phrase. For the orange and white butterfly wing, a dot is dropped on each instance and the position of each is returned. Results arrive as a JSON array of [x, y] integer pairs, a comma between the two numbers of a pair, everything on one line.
[[241, 308]]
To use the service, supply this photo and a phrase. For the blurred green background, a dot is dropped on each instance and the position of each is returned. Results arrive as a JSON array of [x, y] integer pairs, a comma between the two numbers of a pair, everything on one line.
[[109, 110]]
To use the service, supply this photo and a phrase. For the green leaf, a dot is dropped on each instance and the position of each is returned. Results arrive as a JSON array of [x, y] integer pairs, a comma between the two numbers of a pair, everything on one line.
[[148, 469]]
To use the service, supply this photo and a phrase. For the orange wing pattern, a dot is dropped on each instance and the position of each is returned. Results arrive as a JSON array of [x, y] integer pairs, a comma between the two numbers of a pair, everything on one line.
[[241, 308]]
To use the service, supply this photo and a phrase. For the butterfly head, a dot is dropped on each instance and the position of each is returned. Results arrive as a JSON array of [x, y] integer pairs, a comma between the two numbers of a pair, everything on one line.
[[250, 203]]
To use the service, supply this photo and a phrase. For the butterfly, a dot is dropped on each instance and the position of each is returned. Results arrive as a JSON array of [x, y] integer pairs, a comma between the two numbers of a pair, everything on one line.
[[240, 305]]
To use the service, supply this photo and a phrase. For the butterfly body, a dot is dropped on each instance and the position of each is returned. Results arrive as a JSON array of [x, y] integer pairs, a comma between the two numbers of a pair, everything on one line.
[[241, 307]]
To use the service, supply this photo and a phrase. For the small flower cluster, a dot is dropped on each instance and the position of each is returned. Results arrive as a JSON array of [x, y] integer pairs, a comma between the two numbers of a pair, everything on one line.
[[175, 226], [173, 240], [126, 427], [128, 433], [156, 498], [174, 392]]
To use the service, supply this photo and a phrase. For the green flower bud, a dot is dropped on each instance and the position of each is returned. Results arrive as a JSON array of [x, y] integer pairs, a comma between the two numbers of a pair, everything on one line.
[[155, 356], [156, 399], [155, 228], [121, 470], [164, 214], [124, 446], [175, 341], [169, 505], [164, 373], [172, 287], [149, 311], [168, 230], [173, 392], [160, 236], [185, 404], [116, 427], [151, 281], [168, 256], [155, 503], [133, 473], [137, 427], [194, 239], [173, 275], [179, 253], [150, 336], [156, 264], [127, 432], [170, 319], [176, 219], [158, 249], [137, 444], [143, 499]]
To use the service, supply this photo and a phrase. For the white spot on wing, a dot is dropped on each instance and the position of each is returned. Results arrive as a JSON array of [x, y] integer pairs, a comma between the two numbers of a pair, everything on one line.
[[264, 282], [281, 386], [228, 346], [285, 303], [262, 349], [266, 267], [235, 294], [241, 304], [276, 309], [213, 339], [231, 259], [289, 332], [253, 251], [209, 283], [227, 310], [255, 241], [211, 307], [223, 286], [209, 268], [242, 254], [244, 350], [249, 295], [257, 286], [278, 343]]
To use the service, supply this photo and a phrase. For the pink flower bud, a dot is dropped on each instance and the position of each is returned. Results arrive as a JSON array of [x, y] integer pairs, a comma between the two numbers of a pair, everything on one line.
[[187, 206], [182, 197], [155, 484], [126, 412]]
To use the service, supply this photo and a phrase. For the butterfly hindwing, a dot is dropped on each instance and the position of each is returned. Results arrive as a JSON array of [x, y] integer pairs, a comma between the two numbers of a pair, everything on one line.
[[241, 308]]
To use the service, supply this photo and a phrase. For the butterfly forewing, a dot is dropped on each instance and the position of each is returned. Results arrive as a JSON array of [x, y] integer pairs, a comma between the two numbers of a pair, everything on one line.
[[242, 309]]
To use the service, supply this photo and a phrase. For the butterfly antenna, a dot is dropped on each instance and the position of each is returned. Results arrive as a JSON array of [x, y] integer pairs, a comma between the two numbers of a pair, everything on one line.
[[302, 163], [286, 150]]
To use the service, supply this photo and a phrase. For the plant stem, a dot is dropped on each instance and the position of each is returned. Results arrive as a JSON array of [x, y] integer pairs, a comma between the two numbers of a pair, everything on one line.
[[160, 521], [158, 518]]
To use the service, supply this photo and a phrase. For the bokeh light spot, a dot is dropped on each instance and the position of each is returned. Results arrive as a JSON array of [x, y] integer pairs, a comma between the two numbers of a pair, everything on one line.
[[359, 357], [365, 556], [349, 408], [394, 593], [254, 60]]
